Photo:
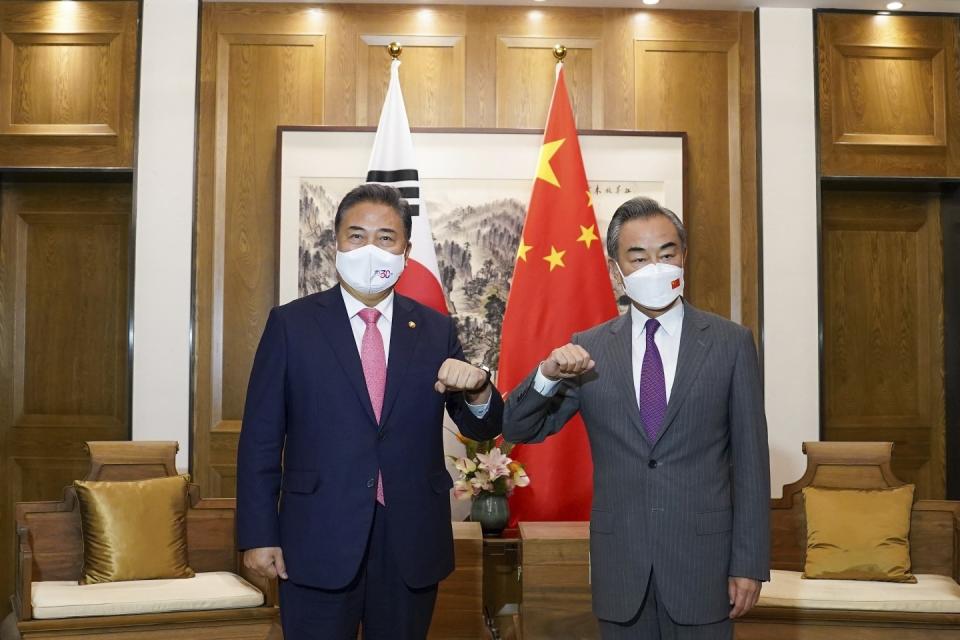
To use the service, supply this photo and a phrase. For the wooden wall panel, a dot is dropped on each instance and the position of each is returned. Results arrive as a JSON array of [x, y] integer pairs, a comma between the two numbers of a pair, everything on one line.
[[888, 89], [63, 335], [253, 77], [431, 72], [68, 75], [526, 75], [882, 328], [695, 73], [472, 66], [510, 64], [62, 83], [266, 81]]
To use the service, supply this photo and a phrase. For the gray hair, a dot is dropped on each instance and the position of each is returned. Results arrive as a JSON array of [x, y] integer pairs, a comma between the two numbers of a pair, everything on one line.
[[640, 208]]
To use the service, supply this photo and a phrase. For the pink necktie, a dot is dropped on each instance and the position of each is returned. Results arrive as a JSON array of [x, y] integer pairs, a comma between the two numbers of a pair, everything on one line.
[[374, 362]]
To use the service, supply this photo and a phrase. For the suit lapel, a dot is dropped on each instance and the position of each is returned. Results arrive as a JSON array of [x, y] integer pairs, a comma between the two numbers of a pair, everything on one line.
[[404, 335], [621, 365], [695, 344], [335, 327]]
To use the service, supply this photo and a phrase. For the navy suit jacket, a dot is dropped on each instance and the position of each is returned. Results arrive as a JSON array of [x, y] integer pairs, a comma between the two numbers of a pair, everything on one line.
[[310, 446]]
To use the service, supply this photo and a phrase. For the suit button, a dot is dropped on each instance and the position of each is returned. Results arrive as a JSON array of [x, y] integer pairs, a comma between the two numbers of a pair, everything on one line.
[[652, 464], [370, 483]]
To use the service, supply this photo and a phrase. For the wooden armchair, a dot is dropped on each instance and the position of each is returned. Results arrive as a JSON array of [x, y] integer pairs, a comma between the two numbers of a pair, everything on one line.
[[50, 547], [934, 549]]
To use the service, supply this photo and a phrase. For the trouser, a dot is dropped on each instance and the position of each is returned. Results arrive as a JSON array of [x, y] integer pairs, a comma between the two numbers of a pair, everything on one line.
[[378, 599], [652, 622]]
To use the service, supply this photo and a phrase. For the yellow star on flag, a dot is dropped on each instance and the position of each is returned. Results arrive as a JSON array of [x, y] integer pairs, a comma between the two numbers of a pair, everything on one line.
[[589, 199], [555, 258], [587, 235], [522, 250], [544, 170]]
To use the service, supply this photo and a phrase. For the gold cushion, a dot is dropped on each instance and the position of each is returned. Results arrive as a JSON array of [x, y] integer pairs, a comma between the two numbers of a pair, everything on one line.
[[858, 534], [134, 530]]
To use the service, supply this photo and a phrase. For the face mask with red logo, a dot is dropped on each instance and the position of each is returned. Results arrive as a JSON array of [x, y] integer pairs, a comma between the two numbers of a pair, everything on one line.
[[369, 269], [655, 286]]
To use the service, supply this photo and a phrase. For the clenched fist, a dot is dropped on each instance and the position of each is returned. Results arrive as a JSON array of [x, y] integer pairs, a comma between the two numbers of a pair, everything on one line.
[[457, 375], [568, 361]]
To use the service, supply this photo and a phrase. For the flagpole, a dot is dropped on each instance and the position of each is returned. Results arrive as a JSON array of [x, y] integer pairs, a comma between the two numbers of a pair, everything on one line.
[[395, 49]]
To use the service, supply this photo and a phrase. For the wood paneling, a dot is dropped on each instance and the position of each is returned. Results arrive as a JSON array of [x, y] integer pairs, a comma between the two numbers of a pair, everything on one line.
[[556, 581], [253, 77], [68, 75], [63, 335], [265, 64], [510, 66], [882, 328], [264, 81], [693, 77], [61, 83], [888, 88], [431, 73], [459, 608], [525, 79]]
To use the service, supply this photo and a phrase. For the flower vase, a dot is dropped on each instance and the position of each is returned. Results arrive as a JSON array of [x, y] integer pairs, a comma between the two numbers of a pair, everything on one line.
[[491, 511]]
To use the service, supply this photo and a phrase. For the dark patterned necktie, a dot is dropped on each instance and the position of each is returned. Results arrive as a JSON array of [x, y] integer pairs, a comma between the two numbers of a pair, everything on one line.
[[653, 386]]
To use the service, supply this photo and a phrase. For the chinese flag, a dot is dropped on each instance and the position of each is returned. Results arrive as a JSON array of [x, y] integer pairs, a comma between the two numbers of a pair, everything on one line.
[[560, 286]]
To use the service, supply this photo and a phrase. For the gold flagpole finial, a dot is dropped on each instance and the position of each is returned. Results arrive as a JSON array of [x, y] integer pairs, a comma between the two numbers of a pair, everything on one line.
[[394, 49], [559, 52]]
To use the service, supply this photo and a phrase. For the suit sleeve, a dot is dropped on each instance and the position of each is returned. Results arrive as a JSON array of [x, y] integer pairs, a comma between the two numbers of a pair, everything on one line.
[[750, 468], [530, 417], [484, 428], [260, 450]]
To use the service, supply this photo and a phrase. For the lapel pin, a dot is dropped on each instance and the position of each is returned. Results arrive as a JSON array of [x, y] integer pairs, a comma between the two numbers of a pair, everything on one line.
[[412, 324]]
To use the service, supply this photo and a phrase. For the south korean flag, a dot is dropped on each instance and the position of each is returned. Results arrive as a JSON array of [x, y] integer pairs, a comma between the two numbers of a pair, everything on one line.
[[394, 163]]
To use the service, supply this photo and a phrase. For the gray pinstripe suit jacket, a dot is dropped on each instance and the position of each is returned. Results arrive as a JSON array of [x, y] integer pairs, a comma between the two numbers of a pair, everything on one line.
[[693, 505]]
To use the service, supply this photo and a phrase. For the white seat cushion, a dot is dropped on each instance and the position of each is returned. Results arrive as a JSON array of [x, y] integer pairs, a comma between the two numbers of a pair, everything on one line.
[[216, 590], [930, 594]]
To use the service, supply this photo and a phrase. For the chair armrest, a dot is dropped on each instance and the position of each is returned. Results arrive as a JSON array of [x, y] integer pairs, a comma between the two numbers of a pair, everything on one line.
[[268, 587], [23, 601]]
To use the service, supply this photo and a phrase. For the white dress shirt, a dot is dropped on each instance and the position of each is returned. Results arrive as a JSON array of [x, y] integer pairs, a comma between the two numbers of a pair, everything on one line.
[[384, 325], [667, 339]]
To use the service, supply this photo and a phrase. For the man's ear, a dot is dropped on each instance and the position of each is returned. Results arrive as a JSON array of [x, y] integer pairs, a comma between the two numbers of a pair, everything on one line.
[[406, 253], [614, 269]]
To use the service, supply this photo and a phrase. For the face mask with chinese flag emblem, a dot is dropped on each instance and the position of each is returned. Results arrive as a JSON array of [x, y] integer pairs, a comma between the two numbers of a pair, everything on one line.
[[655, 286]]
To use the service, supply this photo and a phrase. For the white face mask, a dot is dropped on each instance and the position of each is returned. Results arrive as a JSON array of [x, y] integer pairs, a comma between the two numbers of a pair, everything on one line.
[[655, 286], [370, 270]]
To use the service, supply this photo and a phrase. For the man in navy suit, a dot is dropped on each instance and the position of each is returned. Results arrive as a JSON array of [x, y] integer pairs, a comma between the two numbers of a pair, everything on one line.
[[342, 490]]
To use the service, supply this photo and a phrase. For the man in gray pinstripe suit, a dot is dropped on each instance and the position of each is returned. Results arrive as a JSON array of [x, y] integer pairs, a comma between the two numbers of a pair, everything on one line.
[[672, 400]]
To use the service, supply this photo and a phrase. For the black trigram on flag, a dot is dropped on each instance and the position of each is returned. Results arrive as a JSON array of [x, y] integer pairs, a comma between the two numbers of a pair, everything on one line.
[[406, 181]]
